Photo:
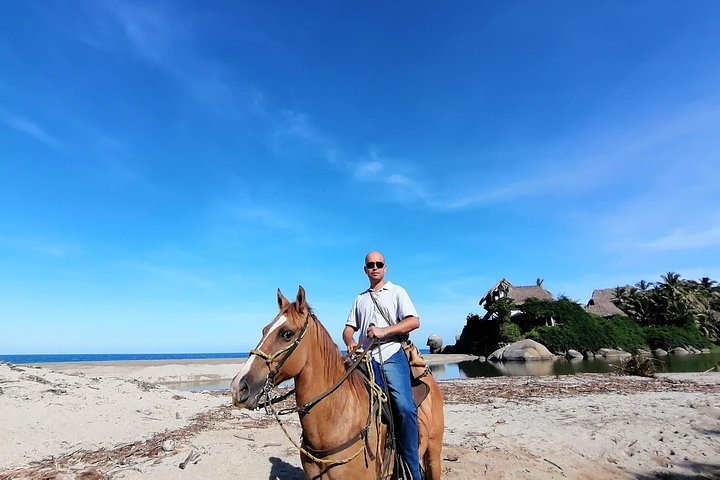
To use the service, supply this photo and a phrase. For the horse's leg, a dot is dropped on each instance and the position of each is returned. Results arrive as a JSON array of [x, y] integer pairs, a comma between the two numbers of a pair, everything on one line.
[[432, 426]]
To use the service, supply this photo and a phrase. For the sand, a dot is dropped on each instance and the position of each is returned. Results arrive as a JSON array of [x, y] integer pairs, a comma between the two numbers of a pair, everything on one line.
[[92, 421]]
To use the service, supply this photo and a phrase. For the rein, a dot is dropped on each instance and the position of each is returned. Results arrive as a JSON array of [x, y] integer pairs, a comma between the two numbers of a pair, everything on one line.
[[375, 392]]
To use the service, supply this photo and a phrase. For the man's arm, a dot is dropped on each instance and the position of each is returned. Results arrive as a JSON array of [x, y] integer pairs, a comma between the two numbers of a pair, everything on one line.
[[348, 338], [406, 325]]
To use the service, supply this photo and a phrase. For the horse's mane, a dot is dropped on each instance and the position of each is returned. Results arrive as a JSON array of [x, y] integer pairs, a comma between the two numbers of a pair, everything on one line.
[[326, 347]]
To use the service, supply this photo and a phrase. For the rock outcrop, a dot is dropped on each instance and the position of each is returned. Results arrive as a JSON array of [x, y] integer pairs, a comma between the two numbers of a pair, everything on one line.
[[435, 342], [524, 350]]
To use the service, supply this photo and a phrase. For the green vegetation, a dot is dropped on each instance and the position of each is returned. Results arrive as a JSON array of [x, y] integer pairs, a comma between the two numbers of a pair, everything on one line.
[[670, 337], [674, 302], [667, 314], [510, 332]]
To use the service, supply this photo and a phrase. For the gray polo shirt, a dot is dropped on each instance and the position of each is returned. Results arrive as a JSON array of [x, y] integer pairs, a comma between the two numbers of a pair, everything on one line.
[[396, 304]]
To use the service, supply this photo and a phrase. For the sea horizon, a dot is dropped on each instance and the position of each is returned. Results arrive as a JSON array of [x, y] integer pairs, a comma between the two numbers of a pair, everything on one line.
[[120, 357]]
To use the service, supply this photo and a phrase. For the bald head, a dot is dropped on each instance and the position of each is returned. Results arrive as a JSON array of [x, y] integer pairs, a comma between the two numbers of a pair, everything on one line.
[[375, 269], [374, 257]]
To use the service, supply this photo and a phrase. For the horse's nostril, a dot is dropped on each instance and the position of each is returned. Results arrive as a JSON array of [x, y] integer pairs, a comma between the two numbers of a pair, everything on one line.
[[240, 392]]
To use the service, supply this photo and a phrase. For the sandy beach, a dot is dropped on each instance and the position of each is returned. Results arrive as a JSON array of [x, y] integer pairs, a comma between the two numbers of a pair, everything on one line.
[[121, 421]]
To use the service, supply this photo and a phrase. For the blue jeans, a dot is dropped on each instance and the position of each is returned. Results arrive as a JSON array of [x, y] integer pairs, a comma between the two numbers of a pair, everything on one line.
[[397, 375]]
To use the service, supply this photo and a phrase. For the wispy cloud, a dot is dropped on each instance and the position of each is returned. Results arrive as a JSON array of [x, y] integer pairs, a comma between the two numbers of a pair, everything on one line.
[[637, 150], [29, 127], [42, 247], [164, 274], [687, 239], [368, 169], [254, 215]]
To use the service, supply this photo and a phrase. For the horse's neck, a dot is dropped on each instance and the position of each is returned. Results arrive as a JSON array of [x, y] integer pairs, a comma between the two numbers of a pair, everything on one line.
[[317, 377], [320, 373]]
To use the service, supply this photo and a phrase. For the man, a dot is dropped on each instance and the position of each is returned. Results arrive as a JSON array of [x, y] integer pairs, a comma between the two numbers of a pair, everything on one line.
[[389, 328]]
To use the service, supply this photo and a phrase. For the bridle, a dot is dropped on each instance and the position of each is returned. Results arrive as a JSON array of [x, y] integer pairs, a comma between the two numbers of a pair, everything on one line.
[[269, 359], [268, 402]]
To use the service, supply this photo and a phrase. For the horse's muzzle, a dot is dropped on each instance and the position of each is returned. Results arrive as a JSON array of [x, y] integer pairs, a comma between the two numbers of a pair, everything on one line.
[[240, 391], [245, 394]]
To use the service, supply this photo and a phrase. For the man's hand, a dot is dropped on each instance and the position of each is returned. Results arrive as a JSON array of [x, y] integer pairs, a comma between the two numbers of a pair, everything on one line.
[[376, 332], [351, 347]]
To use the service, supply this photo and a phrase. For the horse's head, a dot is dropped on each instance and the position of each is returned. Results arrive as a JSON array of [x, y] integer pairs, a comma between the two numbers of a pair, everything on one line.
[[279, 356]]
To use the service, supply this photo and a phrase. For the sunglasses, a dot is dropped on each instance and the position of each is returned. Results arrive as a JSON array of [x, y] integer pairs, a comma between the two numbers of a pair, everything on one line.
[[371, 265]]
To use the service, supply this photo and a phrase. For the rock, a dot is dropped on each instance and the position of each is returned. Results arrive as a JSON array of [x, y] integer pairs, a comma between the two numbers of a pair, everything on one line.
[[573, 354], [679, 351], [705, 350], [613, 353], [589, 354], [659, 352], [168, 445], [435, 342], [524, 350], [692, 349], [642, 352], [481, 359]]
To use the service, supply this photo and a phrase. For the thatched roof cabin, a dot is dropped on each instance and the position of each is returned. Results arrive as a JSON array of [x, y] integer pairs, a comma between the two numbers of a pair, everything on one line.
[[518, 295], [601, 303]]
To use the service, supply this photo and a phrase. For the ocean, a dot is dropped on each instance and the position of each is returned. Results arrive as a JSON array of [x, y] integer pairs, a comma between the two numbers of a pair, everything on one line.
[[112, 357], [116, 357]]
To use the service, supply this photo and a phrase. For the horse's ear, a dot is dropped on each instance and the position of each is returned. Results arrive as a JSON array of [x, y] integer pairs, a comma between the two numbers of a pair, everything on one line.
[[300, 303], [282, 301]]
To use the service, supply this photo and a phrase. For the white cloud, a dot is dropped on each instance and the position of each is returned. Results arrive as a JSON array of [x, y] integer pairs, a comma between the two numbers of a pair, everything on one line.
[[36, 246], [686, 239], [28, 127], [368, 169]]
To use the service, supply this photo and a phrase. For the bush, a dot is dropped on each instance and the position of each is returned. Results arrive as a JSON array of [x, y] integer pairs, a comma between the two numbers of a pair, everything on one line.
[[670, 337], [554, 338], [510, 332], [538, 313], [624, 333], [588, 332]]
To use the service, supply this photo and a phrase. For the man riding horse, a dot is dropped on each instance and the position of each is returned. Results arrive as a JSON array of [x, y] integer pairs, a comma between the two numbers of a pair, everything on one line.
[[385, 314]]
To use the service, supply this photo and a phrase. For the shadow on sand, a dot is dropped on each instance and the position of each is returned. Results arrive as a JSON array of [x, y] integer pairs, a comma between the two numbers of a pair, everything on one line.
[[284, 471], [700, 471]]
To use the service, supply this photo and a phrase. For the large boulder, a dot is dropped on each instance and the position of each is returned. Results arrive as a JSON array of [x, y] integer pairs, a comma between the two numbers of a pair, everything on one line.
[[679, 351], [659, 352], [614, 353], [524, 350], [573, 354], [435, 342]]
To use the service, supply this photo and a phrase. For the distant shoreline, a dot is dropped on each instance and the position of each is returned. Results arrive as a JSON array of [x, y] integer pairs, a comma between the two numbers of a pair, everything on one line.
[[430, 358]]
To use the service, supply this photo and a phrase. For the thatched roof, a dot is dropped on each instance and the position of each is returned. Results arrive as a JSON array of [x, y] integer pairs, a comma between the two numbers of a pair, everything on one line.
[[601, 303], [518, 295]]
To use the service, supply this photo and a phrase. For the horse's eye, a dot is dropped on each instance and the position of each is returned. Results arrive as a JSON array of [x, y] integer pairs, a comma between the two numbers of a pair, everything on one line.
[[287, 334]]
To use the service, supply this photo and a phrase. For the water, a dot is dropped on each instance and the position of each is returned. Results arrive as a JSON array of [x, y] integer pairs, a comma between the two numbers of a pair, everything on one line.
[[111, 357], [447, 371], [471, 369]]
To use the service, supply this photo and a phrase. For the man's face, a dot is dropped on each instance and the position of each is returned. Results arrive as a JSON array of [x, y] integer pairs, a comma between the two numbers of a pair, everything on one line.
[[375, 267]]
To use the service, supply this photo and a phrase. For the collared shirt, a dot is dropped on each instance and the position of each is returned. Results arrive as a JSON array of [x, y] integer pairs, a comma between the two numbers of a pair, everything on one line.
[[396, 304]]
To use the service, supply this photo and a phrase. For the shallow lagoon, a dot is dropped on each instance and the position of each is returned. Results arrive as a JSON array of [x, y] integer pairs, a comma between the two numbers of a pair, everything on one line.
[[471, 369]]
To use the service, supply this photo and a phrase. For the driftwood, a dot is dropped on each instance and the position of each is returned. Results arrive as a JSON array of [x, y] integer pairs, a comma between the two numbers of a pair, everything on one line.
[[193, 457]]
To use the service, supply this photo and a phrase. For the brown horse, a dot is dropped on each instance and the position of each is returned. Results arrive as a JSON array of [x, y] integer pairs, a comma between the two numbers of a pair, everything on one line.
[[345, 440]]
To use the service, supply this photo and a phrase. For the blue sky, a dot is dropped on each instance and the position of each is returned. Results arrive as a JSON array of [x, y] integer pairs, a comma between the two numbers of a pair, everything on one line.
[[166, 166]]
